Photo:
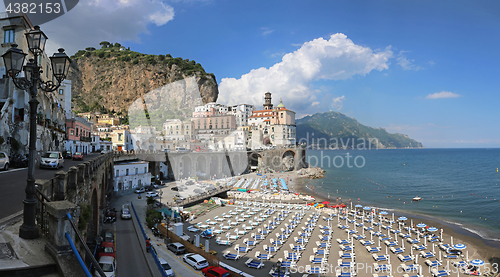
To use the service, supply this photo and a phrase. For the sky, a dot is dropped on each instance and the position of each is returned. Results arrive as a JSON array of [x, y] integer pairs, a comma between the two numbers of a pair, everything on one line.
[[427, 69]]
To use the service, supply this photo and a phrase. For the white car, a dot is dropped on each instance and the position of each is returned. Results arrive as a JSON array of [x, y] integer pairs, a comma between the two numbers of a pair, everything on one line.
[[151, 194], [126, 212], [52, 159], [108, 265], [4, 161], [195, 260]]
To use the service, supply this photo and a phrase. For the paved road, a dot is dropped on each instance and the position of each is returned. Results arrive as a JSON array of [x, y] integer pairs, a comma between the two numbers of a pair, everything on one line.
[[13, 183]]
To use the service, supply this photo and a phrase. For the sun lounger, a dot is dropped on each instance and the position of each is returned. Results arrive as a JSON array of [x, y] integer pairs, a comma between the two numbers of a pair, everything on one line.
[[373, 249], [391, 243], [385, 238], [315, 260], [412, 241], [426, 254], [404, 235], [444, 247], [276, 273], [381, 267], [448, 256], [433, 239], [230, 256], [343, 241], [437, 273], [367, 242], [419, 247], [342, 263], [346, 247], [254, 264], [380, 258], [348, 255], [430, 263], [398, 250], [459, 264], [223, 242], [410, 267], [406, 258]]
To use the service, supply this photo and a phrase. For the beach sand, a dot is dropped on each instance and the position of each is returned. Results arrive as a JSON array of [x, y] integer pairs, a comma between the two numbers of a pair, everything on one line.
[[364, 261]]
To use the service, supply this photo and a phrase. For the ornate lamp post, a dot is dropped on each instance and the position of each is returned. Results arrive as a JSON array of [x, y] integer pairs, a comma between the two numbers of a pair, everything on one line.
[[14, 60], [278, 265]]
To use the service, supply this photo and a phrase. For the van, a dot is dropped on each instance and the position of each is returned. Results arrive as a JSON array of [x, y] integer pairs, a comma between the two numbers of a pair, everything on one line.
[[107, 265], [177, 248], [181, 149]]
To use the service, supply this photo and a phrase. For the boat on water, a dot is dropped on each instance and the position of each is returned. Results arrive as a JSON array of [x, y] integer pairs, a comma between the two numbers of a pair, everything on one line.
[[416, 198]]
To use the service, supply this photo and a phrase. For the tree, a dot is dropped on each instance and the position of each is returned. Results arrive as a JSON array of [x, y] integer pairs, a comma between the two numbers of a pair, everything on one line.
[[90, 49], [150, 201], [117, 44], [104, 44]]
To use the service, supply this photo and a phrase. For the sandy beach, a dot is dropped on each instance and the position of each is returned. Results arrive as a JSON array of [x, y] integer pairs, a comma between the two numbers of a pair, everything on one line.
[[246, 214]]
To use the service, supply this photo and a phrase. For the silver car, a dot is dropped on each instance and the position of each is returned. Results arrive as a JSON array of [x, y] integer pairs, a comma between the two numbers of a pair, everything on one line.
[[52, 159], [4, 161], [168, 270]]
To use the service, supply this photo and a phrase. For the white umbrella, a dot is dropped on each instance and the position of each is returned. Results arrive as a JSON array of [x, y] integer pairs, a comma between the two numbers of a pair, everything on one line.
[[440, 256], [451, 241], [379, 242], [402, 243], [411, 251], [433, 248], [416, 259], [386, 249]]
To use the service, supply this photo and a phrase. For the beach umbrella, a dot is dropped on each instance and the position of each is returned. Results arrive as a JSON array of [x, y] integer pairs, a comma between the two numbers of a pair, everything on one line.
[[440, 256], [477, 262], [451, 241], [432, 229], [383, 213], [402, 218], [392, 216], [416, 259], [433, 248]]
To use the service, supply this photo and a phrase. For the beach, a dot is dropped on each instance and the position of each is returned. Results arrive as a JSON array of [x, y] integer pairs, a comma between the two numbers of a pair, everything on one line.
[[243, 231]]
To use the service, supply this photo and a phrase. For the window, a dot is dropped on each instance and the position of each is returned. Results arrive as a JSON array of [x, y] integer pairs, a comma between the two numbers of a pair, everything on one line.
[[61, 91], [281, 115], [137, 171], [8, 36], [72, 132], [126, 172], [77, 131], [117, 173], [145, 169]]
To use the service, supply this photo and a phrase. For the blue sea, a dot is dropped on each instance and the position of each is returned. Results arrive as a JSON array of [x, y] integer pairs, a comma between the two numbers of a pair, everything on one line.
[[458, 186]]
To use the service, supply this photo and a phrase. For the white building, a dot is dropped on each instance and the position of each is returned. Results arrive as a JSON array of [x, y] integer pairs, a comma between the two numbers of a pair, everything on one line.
[[131, 175], [241, 112], [64, 97]]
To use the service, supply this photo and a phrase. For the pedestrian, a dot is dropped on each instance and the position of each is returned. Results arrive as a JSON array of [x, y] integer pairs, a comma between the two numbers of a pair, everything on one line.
[[148, 245]]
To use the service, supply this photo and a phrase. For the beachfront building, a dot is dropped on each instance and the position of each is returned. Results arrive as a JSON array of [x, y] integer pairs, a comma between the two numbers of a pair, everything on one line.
[[216, 124], [122, 139], [130, 175], [275, 126], [176, 129]]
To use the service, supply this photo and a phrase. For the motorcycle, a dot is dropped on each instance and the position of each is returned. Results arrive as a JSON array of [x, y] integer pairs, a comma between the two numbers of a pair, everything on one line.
[[19, 161], [110, 216]]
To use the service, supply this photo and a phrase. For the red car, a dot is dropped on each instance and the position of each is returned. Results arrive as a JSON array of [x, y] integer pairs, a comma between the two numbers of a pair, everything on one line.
[[215, 271], [78, 156], [107, 249]]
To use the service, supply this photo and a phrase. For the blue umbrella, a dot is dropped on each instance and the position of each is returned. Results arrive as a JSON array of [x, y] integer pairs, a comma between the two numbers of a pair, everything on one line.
[[358, 206], [383, 212], [459, 246], [367, 208], [432, 229], [402, 218], [421, 225], [477, 262]]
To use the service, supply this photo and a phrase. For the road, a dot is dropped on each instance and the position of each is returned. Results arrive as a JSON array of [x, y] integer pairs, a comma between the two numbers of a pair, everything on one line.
[[13, 183]]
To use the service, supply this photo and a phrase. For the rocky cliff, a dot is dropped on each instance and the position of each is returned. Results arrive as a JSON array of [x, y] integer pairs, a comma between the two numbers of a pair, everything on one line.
[[111, 79]]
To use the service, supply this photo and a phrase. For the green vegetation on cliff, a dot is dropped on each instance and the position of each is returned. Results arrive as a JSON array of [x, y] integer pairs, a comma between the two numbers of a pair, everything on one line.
[[336, 130]]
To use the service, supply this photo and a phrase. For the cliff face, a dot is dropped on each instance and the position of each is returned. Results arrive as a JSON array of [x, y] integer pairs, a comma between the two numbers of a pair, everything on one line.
[[112, 80]]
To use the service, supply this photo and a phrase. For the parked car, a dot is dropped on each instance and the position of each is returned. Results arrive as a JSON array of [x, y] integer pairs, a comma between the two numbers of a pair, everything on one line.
[[140, 190], [149, 188], [215, 271], [4, 161], [177, 248], [195, 260], [67, 155], [107, 235], [108, 265], [78, 156], [174, 188], [104, 152], [107, 249], [125, 212], [180, 197], [52, 159], [151, 194], [168, 270]]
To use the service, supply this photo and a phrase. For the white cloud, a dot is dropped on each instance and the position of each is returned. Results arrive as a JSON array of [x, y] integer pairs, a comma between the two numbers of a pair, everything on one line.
[[337, 102], [337, 58], [93, 21], [442, 94], [314, 103], [266, 31], [405, 63]]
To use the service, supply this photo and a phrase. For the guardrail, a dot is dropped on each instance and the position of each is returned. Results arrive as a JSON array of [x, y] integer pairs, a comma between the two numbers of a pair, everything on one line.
[[152, 251]]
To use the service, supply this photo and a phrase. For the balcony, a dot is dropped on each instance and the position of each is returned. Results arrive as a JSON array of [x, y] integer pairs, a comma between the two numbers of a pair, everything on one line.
[[86, 139]]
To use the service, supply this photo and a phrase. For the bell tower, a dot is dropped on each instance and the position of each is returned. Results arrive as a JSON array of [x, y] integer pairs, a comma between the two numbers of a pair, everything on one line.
[[267, 103]]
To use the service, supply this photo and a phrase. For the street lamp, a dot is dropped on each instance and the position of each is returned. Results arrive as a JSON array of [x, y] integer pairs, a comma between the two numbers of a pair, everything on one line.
[[14, 60], [278, 264]]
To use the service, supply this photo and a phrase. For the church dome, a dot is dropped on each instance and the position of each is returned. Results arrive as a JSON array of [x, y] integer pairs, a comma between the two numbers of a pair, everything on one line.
[[280, 105]]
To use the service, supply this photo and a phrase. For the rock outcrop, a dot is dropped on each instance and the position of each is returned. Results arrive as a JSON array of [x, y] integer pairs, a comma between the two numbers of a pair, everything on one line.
[[312, 172]]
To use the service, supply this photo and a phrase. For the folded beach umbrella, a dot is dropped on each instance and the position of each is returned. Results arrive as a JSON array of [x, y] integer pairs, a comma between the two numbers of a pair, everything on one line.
[[477, 262]]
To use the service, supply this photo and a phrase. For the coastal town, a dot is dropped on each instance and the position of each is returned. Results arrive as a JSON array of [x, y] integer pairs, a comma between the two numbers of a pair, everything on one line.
[[118, 163]]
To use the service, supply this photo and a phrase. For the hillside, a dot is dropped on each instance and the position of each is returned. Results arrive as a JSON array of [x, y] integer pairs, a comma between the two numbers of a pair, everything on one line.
[[110, 79], [336, 130]]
